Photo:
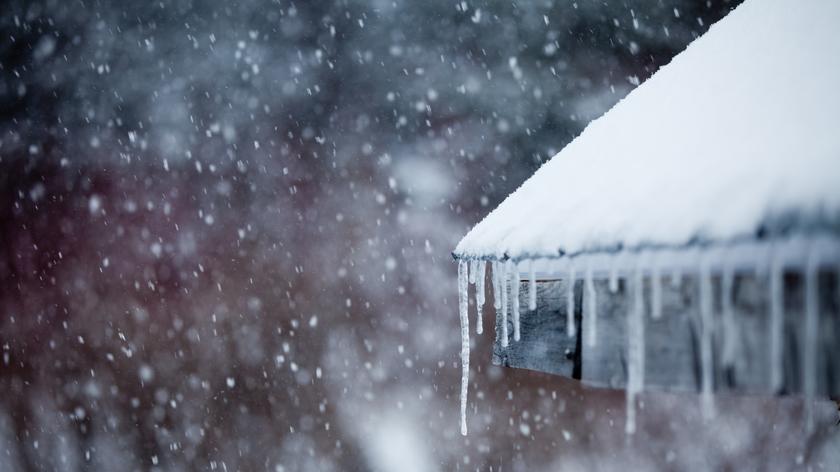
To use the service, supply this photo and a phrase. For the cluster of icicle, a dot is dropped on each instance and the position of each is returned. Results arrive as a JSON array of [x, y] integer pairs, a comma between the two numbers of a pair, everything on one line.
[[505, 276], [766, 259]]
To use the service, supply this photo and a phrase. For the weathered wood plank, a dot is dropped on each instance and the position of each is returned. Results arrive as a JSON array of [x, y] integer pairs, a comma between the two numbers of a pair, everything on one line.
[[671, 347], [544, 345]]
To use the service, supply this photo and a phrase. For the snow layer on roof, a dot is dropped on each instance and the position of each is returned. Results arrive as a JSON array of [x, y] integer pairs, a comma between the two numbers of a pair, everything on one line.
[[740, 130]]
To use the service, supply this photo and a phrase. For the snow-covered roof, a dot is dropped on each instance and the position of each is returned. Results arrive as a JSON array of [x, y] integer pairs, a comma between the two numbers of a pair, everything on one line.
[[739, 133]]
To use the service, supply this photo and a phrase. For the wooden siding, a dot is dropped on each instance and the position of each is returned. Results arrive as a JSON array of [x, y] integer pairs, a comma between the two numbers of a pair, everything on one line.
[[672, 342]]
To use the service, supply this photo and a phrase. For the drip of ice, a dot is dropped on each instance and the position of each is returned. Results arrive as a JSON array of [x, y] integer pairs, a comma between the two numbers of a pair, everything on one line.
[[635, 351], [776, 321], [706, 320], [513, 270], [497, 291], [730, 328], [614, 274], [463, 304], [640, 331], [630, 424], [473, 269], [532, 286], [655, 292], [809, 358], [571, 329], [481, 267], [676, 276], [592, 311], [503, 287]]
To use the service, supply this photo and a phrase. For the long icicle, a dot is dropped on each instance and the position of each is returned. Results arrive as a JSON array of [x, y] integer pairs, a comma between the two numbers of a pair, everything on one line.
[[479, 296], [676, 275], [503, 286], [497, 291], [495, 278], [809, 358], [655, 291], [706, 328], [463, 305], [614, 261], [592, 308], [635, 351], [571, 329], [777, 302], [532, 286], [513, 270], [730, 328]]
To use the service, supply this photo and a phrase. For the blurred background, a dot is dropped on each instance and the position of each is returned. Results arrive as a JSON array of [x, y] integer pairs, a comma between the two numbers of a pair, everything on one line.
[[225, 235]]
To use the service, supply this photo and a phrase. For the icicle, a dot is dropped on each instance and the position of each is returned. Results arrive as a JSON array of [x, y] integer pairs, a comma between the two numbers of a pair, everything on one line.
[[532, 286], [635, 351], [640, 330], [571, 329], [473, 269], [630, 424], [655, 292], [592, 310], [776, 322], [463, 305], [513, 270], [809, 358], [614, 274], [503, 286], [706, 320], [497, 291], [730, 328], [676, 275], [481, 267]]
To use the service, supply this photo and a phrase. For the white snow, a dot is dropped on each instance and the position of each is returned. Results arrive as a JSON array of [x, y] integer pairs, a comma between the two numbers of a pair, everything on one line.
[[738, 130]]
